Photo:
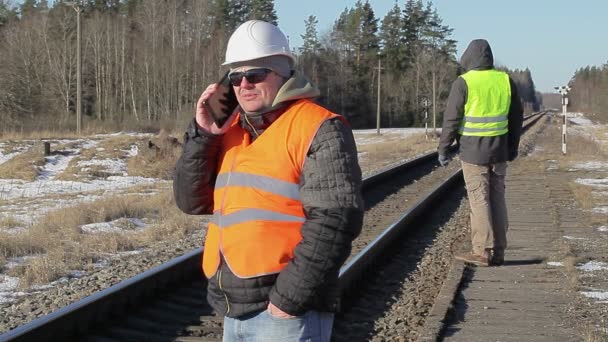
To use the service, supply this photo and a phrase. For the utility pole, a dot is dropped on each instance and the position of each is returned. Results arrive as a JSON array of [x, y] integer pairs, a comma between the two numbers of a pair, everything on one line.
[[76, 6], [434, 106], [425, 105], [378, 103], [563, 90]]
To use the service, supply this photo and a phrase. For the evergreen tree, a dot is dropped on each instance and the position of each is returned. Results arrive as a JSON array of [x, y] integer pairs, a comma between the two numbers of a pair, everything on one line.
[[223, 22], [392, 41], [525, 88], [435, 35], [369, 42], [6, 13], [28, 7], [309, 59], [310, 40], [414, 18], [102, 6], [356, 34], [263, 10], [238, 13]]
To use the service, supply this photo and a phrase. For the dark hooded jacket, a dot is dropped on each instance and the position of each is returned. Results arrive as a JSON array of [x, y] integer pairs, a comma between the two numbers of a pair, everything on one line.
[[473, 149], [330, 189]]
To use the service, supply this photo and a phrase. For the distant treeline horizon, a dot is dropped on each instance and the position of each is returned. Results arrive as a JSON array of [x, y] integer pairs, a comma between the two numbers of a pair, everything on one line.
[[148, 61]]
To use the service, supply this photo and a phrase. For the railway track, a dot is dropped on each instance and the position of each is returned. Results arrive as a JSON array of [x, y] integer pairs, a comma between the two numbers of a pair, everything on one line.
[[167, 303], [393, 298]]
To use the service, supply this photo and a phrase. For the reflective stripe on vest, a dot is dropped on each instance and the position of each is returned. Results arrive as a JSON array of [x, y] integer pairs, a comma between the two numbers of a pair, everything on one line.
[[268, 184], [258, 214], [487, 104], [252, 215]]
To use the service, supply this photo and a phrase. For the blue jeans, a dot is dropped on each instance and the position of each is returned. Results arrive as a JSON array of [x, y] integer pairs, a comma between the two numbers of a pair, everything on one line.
[[313, 326]]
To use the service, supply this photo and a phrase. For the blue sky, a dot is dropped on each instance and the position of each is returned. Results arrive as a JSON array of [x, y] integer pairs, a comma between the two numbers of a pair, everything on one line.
[[553, 38]]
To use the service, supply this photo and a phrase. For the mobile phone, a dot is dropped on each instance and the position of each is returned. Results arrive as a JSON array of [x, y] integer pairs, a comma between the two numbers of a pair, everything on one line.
[[222, 103]]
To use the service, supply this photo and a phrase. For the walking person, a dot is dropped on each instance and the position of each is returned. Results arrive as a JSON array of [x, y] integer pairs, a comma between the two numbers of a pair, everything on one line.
[[282, 180], [484, 114]]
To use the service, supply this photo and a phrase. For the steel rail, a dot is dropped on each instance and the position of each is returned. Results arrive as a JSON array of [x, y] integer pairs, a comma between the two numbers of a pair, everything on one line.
[[78, 317]]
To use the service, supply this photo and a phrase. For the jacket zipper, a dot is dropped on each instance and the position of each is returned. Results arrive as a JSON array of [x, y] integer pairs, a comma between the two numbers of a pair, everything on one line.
[[219, 279]]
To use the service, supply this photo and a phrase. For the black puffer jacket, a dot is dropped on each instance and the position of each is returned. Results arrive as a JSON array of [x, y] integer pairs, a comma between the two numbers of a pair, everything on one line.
[[330, 188], [479, 150]]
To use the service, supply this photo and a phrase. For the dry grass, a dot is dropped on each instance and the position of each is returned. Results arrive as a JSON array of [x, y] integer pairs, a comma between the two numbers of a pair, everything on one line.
[[59, 245], [394, 148], [583, 195], [38, 135], [570, 261], [578, 149], [112, 148], [581, 148], [97, 127], [157, 161], [9, 222], [594, 334], [24, 165], [19, 244], [56, 244]]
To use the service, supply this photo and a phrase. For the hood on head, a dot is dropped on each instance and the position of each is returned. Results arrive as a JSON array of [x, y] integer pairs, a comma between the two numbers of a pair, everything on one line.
[[478, 55], [298, 86]]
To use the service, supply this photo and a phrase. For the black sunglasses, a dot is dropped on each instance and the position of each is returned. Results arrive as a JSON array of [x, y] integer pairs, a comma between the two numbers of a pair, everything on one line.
[[253, 76]]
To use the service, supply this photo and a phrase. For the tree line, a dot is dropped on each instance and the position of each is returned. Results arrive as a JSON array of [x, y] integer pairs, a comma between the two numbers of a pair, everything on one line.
[[148, 61], [589, 91]]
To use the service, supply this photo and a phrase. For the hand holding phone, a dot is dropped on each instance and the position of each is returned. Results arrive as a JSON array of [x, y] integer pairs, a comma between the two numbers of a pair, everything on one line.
[[222, 102]]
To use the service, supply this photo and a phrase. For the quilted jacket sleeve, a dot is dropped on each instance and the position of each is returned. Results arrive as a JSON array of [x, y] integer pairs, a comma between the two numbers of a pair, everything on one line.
[[516, 119], [330, 189], [195, 171], [452, 117]]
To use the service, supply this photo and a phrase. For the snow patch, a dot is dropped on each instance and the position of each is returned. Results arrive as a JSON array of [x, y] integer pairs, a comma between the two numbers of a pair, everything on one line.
[[113, 166], [599, 183], [579, 119], [567, 237], [115, 226], [8, 287], [591, 166], [600, 295], [592, 266]]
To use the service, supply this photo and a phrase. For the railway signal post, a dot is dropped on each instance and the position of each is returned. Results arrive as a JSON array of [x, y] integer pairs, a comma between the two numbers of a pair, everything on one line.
[[425, 105], [378, 103], [563, 90]]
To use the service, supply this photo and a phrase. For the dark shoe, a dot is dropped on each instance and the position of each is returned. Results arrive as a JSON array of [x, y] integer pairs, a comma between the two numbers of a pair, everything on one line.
[[475, 259], [498, 257]]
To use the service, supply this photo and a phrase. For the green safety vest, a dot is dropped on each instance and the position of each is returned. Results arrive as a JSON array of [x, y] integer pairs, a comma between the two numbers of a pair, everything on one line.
[[488, 101]]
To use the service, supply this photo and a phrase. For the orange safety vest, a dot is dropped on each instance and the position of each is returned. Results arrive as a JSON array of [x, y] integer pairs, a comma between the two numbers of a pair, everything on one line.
[[257, 211]]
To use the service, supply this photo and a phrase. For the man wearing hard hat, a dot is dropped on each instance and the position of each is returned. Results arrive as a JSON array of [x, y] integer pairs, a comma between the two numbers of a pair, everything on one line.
[[283, 183]]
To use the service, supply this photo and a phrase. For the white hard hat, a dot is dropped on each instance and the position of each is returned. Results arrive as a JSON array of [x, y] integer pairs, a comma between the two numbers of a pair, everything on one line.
[[256, 39]]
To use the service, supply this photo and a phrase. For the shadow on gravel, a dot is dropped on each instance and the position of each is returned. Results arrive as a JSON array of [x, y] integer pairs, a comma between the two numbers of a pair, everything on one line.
[[523, 262], [459, 307]]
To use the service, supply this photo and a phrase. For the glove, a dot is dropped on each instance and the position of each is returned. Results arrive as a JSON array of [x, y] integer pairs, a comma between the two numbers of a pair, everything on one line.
[[512, 155], [443, 159]]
